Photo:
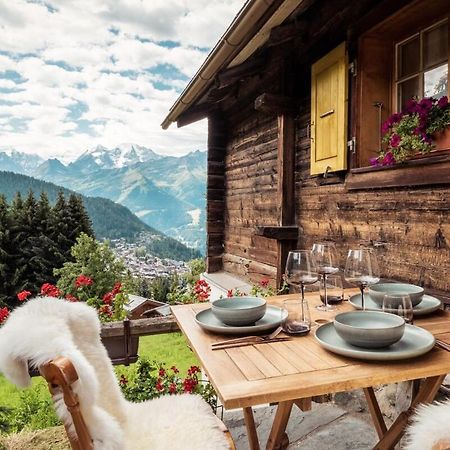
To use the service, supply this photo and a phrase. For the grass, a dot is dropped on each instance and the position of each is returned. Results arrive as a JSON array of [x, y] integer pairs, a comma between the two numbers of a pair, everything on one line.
[[170, 348]]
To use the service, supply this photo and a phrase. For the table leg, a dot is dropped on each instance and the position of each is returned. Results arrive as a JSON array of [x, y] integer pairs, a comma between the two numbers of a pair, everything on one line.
[[375, 412], [279, 425], [304, 403], [251, 428], [426, 394]]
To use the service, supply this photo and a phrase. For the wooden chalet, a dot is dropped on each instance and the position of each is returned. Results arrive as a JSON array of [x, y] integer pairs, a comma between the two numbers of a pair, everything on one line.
[[295, 93]]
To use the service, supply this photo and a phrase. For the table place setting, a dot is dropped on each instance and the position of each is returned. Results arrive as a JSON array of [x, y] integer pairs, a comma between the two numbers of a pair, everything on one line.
[[381, 327]]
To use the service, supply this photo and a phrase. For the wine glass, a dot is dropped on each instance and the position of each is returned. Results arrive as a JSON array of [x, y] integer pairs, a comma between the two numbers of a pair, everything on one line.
[[325, 257], [361, 269], [400, 305], [301, 269]]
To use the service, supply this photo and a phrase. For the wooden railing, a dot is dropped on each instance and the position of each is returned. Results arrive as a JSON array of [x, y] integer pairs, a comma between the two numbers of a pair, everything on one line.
[[142, 327]]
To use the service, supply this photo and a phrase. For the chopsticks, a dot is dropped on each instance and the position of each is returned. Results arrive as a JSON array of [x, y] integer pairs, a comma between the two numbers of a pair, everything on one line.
[[244, 342], [442, 344]]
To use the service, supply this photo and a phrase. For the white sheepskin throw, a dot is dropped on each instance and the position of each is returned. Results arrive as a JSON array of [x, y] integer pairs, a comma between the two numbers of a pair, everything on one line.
[[45, 328], [431, 424]]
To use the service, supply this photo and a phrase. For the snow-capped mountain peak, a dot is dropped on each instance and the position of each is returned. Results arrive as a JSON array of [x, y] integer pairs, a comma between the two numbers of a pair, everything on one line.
[[123, 155]]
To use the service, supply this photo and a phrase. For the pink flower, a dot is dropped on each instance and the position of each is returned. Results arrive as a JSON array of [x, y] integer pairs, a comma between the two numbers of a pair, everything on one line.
[[230, 293], [23, 295], [264, 282], [374, 161], [395, 140], [388, 159], [443, 102]]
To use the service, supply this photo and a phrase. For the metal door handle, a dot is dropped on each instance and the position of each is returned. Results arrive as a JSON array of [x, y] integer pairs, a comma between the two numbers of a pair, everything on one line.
[[328, 113]]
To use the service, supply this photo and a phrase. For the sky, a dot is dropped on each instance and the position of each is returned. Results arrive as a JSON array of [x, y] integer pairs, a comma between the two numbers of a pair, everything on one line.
[[75, 74]]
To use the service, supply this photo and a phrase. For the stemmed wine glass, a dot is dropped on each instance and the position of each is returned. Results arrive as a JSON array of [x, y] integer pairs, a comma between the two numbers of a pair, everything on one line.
[[361, 269], [301, 269], [325, 257]]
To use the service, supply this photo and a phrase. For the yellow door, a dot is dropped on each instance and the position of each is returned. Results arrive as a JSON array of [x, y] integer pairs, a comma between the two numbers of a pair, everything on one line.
[[329, 112]]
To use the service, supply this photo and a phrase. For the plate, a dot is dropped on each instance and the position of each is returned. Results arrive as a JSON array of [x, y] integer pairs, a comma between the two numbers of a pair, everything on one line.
[[270, 320], [415, 342], [428, 304]]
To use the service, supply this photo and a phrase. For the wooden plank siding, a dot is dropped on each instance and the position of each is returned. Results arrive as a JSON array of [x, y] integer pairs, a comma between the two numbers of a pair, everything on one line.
[[251, 196], [409, 227]]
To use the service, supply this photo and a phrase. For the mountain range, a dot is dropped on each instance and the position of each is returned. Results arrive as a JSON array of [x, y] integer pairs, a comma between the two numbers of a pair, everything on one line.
[[109, 220], [165, 192]]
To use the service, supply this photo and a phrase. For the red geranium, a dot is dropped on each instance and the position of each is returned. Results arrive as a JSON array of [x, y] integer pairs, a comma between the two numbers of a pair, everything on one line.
[[23, 295], [108, 298], [123, 380], [174, 369], [107, 310], [172, 388], [159, 385], [71, 298], [264, 282], [117, 289], [83, 280], [50, 290], [4, 313], [202, 290]]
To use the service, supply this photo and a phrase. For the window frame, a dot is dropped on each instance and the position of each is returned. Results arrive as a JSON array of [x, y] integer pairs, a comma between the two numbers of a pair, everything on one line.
[[383, 35], [421, 72]]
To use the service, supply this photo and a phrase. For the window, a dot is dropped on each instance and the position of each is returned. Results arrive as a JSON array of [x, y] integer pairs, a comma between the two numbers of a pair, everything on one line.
[[404, 55], [422, 65]]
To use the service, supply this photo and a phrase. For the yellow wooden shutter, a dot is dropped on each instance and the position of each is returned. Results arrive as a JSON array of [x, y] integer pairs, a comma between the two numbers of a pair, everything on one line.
[[329, 112]]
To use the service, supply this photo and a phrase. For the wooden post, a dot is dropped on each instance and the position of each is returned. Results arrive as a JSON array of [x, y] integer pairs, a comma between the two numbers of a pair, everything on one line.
[[215, 192], [286, 187]]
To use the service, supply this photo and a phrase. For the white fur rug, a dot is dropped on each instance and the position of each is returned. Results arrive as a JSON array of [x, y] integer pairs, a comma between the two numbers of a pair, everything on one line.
[[45, 328], [430, 424]]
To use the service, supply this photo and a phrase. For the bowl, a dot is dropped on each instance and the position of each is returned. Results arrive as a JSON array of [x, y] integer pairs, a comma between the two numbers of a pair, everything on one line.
[[378, 291], [239, 311], [369, 329]]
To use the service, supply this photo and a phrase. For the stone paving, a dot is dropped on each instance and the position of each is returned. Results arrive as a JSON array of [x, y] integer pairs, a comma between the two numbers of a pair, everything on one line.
[[327, 427]]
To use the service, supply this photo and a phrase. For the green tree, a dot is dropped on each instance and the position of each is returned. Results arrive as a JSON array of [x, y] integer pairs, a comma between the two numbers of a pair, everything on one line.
[[7, 259], [61, 228], [95, 260], [79, 221]]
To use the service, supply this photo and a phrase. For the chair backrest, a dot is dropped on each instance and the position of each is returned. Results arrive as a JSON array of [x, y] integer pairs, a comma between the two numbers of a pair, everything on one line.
[[60, 374]]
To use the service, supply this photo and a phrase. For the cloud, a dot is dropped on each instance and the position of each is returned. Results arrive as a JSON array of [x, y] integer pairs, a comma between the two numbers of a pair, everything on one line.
[[76, 74]]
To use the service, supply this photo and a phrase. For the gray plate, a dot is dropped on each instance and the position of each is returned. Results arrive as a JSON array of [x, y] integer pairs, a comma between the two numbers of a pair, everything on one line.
[[208, 321], [415, 342], [428, 304]]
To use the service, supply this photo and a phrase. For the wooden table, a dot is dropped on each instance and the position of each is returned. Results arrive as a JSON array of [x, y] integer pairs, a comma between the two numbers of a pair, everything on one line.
[[292, 372]]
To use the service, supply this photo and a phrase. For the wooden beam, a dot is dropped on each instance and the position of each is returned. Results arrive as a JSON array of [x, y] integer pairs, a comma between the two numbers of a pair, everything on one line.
[[141, 327], [194, 114], [248, 68], [281, 233], [217, 137], [275, 104], [296, 29], [286, 170]]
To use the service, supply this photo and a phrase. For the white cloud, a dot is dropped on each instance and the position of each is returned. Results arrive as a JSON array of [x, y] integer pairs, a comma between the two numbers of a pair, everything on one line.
[[95, 72]]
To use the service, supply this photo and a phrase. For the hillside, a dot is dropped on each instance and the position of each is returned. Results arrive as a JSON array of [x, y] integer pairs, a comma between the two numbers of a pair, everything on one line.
[[109, 220]]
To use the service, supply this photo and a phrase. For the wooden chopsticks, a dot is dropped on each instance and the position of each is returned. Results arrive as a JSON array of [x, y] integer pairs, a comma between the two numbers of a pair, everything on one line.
[[442, 344], [243, 342]]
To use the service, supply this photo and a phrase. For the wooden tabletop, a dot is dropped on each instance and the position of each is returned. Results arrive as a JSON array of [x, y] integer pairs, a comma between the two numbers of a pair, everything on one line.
[[300, 368]]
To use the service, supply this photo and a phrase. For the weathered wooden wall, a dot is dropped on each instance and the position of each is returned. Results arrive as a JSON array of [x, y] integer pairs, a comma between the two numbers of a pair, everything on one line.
[[408, 227], [250, 195]]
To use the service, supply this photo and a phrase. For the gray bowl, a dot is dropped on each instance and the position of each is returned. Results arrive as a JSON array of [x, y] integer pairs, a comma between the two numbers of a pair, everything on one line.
[[239, 311], [378, 291], [369, 329]]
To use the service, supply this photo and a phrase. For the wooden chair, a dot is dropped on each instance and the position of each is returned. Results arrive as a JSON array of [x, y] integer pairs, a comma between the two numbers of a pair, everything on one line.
[[60, 374]]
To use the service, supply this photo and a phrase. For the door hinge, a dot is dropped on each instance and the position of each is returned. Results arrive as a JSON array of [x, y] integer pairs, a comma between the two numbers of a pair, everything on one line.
[[351, 145], [353, 68]]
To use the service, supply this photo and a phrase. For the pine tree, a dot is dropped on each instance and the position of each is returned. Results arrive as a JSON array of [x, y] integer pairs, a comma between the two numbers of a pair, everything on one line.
[[78, 218], [61, 229], [7, 260]]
